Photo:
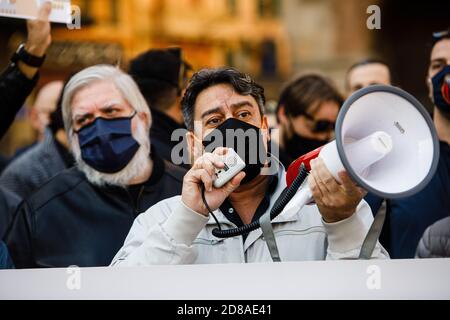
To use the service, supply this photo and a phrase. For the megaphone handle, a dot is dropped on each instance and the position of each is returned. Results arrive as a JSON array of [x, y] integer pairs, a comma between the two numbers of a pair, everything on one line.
[[301, 198]]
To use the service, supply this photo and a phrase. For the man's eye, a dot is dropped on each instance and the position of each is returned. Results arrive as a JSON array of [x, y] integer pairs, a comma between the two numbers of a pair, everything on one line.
[[244, 114], [436, 66], [213, 121], [80, 121], [110, 111]]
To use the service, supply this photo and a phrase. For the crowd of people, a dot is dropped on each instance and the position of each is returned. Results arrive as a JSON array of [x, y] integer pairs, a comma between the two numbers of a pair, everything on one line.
[[106, 183]]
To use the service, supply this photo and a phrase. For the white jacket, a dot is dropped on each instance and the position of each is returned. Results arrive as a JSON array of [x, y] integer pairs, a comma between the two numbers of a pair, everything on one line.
[[171, 233]]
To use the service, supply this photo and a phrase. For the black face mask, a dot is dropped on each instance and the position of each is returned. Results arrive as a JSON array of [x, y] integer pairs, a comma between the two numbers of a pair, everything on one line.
[[296, 145], [245, 139]]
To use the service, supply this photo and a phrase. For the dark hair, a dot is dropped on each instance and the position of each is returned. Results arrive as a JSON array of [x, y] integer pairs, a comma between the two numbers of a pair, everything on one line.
[[303, 92], [241, 83], [56, 122], [440, 35], [159, 95], [160, 75]]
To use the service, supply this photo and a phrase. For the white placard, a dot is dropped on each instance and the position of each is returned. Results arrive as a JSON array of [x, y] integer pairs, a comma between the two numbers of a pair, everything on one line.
[[341, 279], [28, 9]]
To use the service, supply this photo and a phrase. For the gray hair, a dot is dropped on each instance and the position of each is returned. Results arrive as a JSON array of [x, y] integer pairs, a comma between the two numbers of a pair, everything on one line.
[[123, 82]]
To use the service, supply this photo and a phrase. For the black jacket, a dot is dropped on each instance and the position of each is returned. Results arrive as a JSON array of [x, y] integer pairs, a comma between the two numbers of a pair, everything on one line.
[[15, 87], [69, 221], [161, 136]]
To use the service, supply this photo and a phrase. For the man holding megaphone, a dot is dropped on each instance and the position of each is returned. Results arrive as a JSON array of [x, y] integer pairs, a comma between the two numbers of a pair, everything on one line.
[[181, 230]]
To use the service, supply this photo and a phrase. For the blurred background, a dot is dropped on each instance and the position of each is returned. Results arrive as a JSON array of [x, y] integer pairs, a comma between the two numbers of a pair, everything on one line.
[[272, 40]]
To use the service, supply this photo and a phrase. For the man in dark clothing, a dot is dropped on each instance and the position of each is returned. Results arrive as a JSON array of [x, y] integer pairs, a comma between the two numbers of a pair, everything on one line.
[[407, 218], [21, 76], [306, 113], [16, 84], [82, 216], [162, 75], [70, 221]]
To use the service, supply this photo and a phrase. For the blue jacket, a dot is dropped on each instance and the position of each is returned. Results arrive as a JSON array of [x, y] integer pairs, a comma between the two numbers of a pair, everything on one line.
[[408, 218], [5, 260]]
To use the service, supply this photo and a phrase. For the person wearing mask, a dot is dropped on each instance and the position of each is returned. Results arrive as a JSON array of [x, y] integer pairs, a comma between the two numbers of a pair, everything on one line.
[[178, 230], [161, 75], [408, 218], [307, 112], [366, 73], [82, 215], [44, 160]]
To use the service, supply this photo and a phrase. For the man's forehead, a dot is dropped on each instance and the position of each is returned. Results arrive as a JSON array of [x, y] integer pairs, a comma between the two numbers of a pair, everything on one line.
[[372, 68], [441, 50], [96, 94], [220, 95]]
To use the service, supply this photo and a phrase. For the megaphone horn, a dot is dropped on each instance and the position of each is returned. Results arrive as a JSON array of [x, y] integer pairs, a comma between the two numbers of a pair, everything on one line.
[[385, 140]]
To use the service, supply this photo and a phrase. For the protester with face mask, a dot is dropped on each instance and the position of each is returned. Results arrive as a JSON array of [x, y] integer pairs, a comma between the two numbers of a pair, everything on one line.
[[81, 216], [307, 112], [222, 105], [408, 218]]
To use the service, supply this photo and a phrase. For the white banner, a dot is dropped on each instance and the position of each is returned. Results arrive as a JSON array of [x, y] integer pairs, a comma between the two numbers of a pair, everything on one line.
[[28, 9], [338, 279]]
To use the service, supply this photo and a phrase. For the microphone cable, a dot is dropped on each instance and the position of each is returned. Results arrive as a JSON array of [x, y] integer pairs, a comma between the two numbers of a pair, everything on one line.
[[277, 208]]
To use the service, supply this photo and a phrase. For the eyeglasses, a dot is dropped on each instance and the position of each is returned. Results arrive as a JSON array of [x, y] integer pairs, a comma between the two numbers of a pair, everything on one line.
[[439, 35], [320, 125]]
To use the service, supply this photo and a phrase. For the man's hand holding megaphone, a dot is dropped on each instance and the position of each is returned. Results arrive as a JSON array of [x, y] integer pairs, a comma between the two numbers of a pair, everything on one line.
[[202, 176], [335, 201]]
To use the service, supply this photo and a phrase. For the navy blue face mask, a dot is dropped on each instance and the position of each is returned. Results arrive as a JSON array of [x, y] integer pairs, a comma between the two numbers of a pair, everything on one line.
[[107, 145], [441, 88]]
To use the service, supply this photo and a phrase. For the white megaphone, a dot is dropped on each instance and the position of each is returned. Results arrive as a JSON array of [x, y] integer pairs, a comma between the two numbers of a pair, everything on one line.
[[385, 140]]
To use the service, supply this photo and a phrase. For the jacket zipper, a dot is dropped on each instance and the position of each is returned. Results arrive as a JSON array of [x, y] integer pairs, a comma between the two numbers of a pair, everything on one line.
[[135, 205]]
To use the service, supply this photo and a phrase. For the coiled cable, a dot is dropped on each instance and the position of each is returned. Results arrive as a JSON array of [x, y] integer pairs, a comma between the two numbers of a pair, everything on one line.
[[277, 208]]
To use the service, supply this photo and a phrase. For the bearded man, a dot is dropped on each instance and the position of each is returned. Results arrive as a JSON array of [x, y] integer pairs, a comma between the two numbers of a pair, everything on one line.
[[82, 216]]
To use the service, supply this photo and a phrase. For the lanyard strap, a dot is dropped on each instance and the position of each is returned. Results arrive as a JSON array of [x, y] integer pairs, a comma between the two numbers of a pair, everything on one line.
[[372, 236], [269, 236]]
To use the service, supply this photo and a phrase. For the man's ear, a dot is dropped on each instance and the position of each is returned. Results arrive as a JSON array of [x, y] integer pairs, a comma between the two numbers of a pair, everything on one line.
[[195, 146], [265, 128], [146, 118], [264, 123]]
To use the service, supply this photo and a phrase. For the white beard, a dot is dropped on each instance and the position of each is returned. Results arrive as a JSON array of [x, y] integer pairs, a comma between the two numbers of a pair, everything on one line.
[[137, 166]]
